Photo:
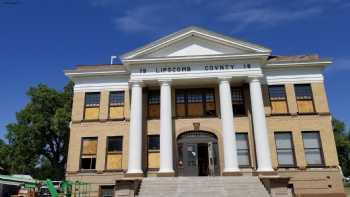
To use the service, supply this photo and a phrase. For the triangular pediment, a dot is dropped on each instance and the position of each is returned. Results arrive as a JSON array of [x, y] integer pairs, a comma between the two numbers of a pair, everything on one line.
[[194, 41]]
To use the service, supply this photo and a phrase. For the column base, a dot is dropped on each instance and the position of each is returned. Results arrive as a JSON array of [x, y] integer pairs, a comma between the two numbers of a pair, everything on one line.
[[232, 173], [265, 173], [134, 174], [166, 174]]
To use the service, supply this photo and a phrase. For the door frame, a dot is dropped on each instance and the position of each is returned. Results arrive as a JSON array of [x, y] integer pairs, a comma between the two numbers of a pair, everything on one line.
[[195, 137]]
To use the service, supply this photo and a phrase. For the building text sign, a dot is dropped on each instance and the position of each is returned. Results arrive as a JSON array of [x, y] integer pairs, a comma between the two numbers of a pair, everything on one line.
[[189, 68]]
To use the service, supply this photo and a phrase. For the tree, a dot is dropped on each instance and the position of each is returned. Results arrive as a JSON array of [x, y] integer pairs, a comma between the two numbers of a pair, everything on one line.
[[38, 140], [342, 140]]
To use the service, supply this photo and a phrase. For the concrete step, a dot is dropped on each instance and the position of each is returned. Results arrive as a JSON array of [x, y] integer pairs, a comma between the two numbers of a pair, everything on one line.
[[202, 186]]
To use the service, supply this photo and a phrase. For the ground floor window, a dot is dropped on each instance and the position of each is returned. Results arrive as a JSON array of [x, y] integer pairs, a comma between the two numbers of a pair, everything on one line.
[[153, 152], [107, 191], [114, 151], [284, 149], [88, 153], [313, 148], [243, 150]]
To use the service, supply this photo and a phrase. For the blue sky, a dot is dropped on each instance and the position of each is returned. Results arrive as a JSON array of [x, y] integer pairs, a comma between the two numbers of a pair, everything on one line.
[[41, 38]]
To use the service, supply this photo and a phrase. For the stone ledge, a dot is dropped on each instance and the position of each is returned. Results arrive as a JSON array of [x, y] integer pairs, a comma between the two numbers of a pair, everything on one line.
[[232, 173], [134, 175], [265, 173], [165, 174]]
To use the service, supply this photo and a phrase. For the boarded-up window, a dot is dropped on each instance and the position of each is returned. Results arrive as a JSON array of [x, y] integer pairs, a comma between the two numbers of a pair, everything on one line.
[[153, 104], [313, 148], [304, 98], [243, 149], [284, 149], [92, 106], [116, 105], [210, 107], [238, 101], [114, 158], [195, 103], [88, 153], [278, 99], [180, 103], [153, 151]]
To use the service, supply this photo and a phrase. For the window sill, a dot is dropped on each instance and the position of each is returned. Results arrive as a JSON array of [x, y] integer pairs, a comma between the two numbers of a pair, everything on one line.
[[154, 151], [286, 166], [115, 170], [87, 171], [195, 117], [280, 114], [307, 114], [115, 119], [316, 166]]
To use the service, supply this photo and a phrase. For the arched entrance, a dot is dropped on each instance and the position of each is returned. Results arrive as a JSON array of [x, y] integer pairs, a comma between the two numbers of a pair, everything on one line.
[[198, 154]]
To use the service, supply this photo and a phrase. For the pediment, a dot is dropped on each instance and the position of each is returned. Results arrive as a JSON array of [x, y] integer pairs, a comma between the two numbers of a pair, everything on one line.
[[194, 41]]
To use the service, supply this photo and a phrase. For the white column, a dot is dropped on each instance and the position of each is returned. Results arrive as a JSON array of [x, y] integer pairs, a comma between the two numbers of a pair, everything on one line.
[[166, 141], [135, 130], [260, 129], [227, 127]]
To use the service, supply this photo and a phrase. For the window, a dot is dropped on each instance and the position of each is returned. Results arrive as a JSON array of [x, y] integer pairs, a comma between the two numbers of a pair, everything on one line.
[[107, 191], [195, 106], [180, 103], [312, 148], [92, 106], [243, 149], [116, 105], [278, 99], [303, 94], [237, 101], [195, 103], [114, 153], [284, 149], [88, 153], [153, 104], [153, 152]]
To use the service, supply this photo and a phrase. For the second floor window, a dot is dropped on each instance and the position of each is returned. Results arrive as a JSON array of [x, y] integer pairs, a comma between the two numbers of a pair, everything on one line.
[[116, 105], [313, 148], [195, 103], [243, 149], [92, 106], [114, 156], [153, 151], [278, 99], [88, 153], [238, 101], [284, 149], [303, 94], [153, 104]]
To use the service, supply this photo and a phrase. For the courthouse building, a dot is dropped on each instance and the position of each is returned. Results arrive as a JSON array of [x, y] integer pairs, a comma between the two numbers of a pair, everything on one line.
[[198, 103]]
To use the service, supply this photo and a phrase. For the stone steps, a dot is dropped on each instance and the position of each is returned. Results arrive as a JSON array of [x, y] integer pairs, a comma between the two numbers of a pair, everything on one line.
[[247, 186]]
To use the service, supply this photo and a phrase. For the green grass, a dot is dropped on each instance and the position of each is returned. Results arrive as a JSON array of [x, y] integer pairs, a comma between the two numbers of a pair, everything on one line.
[[347, 188]]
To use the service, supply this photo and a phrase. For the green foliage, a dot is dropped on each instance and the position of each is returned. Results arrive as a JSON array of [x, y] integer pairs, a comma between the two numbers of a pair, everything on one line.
[[38, 140], [342, 140]]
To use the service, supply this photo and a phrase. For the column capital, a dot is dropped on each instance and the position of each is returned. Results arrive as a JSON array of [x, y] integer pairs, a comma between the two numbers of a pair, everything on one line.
[[224, 79], [165, 81], [136, 83], [254, 79]]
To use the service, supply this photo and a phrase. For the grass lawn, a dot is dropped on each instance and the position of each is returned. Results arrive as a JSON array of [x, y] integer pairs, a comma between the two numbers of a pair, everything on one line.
[[347, 188]]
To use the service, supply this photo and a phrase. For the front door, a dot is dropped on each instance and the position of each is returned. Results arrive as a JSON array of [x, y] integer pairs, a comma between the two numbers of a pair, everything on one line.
[[197, 155]]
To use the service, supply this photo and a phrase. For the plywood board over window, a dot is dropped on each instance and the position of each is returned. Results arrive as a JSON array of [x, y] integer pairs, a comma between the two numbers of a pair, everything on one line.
[[88, 153], [116, 105], [278, 99], [154, 104], [92, 106], [114, 157], [303, 94], [153, 152]]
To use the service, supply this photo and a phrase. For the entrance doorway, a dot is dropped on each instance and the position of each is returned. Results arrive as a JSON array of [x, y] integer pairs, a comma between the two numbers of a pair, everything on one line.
[[198, 154]]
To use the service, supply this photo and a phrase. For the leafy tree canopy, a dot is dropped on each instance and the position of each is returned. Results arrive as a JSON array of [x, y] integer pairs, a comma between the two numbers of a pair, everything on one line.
[[38, 140], [342, 140]]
